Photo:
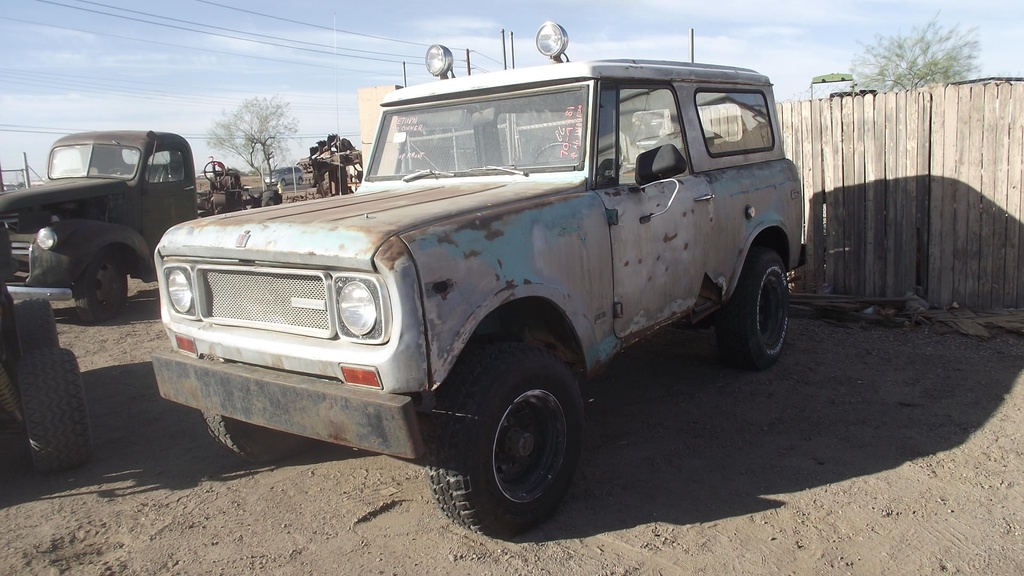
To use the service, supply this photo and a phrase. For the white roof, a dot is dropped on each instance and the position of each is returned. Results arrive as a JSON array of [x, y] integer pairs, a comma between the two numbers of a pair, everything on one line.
[[571, 71]]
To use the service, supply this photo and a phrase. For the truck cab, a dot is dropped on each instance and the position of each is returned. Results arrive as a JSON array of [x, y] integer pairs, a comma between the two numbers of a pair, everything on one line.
[[109, 198]]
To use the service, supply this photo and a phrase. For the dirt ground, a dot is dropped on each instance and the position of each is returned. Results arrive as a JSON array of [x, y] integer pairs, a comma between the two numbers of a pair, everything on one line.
[[866, 450]]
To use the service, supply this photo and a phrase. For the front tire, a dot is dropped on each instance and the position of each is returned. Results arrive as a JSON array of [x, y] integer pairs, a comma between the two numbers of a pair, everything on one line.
[[101, 292], [53, 403], [507, 434], [751, 327], [36, 326], [254, 443]]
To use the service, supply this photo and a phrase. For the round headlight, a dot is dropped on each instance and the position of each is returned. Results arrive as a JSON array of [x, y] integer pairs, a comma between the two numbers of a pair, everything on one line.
[[179, 290], [552, 40], [357, 308], [439, 61], [46, 238]]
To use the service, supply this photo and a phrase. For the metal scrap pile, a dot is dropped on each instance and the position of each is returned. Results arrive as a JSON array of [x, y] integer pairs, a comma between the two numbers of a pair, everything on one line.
[[336, 165]]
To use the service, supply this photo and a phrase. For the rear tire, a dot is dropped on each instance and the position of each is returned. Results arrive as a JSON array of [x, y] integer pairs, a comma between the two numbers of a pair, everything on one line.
[[751, 327], [254, 443], [506, 436], [101, 292], [53, 403], [36, 326]]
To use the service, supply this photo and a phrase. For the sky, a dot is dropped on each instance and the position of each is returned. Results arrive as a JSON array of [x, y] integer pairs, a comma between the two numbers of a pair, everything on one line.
[[179, 65]]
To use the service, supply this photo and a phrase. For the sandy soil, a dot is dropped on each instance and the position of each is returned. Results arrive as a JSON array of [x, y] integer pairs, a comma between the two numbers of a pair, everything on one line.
[[866, 450]]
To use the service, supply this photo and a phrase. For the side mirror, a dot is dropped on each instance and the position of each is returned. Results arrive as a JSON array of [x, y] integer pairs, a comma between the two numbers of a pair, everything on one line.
[[658, 164]]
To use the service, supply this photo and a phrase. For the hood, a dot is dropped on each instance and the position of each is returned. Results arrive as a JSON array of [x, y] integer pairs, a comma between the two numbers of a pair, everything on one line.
[[345, 231], [59, 191]]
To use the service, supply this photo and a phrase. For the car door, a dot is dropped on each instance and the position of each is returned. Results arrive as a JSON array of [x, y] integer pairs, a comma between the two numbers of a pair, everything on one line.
[[169, 195], [658, 232]]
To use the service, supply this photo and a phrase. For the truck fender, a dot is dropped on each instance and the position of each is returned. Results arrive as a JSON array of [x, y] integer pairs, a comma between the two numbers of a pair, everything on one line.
[[78, 242]]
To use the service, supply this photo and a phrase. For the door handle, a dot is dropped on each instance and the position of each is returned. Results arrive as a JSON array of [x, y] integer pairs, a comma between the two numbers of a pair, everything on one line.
[[704, 198]]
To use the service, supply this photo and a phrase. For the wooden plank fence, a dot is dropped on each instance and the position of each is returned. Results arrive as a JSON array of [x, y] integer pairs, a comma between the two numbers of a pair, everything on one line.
[[913, 190]]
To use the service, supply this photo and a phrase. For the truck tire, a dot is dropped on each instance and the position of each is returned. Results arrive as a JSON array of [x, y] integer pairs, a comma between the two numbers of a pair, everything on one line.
[[751, 327], [102, 290], [254, 443], [36, 326], [53, 403], [505, 438]]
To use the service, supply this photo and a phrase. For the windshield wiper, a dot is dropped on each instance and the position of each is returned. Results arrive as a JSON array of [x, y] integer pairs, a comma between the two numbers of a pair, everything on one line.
[[508, 169], [424, 173]]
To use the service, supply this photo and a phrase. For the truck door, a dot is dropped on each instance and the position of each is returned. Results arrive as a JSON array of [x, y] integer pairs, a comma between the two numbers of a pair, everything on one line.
[[169, 195], [658, 234]]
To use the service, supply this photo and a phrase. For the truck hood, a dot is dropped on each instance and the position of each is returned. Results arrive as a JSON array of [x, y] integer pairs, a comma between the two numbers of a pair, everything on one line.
[[344, 231], [60, 191]]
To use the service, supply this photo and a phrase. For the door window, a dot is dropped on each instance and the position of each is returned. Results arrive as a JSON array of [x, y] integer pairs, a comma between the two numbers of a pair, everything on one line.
[[635, 119]]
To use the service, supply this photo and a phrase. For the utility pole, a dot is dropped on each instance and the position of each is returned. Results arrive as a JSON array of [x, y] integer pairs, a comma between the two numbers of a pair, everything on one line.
[[691, 47], [469, 69], [512, 46]]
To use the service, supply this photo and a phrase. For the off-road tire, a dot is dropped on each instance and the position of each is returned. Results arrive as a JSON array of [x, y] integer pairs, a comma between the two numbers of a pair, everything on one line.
[[254, 443], [101, 291], [751, 327], [53, 404], [36, 326], [504, 438]]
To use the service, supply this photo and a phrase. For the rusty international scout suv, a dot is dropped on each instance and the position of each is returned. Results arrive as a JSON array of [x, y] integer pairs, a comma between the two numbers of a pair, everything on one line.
[[514, 231], [110, 197]]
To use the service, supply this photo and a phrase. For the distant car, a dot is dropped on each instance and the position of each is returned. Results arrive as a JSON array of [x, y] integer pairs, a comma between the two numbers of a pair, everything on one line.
[[287, 176]]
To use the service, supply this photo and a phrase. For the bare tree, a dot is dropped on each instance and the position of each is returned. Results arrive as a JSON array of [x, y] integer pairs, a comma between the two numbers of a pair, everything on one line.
[[928, 55], [257, 132]]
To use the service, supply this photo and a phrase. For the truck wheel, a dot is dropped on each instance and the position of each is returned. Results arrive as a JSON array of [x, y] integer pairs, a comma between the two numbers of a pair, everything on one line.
[[506, 435], [751, 327], [36, 326], [254, 443], [53, 403], [102, 290]]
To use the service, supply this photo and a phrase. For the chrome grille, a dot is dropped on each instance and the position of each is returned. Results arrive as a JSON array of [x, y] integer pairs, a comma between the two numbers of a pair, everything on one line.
[[286, 301]]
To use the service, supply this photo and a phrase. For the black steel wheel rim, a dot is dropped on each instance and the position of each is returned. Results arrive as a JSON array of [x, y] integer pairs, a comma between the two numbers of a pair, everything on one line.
[[529, 446]]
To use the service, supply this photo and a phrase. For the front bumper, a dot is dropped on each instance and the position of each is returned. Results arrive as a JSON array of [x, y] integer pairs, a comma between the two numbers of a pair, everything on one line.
[[302, 405]]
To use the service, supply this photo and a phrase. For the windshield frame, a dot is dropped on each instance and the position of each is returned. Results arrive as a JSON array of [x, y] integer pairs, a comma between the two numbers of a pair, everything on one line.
[[571, 140], [93, 165]]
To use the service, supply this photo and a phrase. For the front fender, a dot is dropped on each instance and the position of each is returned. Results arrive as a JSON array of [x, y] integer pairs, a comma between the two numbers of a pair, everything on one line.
[[78, 242], [556, 248]]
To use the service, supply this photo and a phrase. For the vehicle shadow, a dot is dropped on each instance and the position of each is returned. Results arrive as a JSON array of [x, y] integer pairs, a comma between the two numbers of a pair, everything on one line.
[[142, 443], [675, 437], [143, 305]]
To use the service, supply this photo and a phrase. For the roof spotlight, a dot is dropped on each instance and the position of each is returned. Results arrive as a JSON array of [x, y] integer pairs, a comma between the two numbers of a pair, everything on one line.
[[552, 40], [439, 61]]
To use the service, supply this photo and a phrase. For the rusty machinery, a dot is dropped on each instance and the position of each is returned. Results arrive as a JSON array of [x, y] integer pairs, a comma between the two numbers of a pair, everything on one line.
[[337, 166], [226, 193]]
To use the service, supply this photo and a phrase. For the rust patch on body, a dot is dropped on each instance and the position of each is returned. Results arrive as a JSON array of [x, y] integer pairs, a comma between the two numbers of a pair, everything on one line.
[[471, 254], [669, 237], [442, 288]]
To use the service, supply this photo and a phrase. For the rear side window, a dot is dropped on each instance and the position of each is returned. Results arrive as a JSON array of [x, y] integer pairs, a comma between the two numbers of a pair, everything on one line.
[[735, 122]]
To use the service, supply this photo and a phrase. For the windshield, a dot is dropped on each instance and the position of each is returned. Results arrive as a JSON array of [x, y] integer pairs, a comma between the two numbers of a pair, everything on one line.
[[534, 132], [99, 160]]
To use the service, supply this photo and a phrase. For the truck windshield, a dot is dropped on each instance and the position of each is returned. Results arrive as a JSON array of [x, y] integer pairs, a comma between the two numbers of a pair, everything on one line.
[[94, 160], [536, 132]]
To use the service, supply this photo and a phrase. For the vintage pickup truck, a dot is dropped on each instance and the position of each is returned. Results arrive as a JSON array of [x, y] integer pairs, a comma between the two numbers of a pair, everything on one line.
[[109, 199], [514, 231]]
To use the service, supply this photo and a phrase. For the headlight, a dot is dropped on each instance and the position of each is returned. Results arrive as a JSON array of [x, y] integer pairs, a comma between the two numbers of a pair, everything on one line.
[[46, 238], [179, 289], [439, 61], [357, 308], [552, 40]]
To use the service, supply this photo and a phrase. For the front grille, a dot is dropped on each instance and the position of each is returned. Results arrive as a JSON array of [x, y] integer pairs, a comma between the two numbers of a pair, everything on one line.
[[286, 301]]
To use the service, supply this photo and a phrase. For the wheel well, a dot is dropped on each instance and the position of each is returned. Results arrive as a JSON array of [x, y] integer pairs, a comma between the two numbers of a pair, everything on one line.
[[533, 320], [132, 262], [775, 239]]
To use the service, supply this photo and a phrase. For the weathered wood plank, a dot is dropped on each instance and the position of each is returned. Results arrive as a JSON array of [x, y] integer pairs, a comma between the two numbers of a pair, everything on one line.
[[924, 200], [871, 247], [851, 201], [974, 176], [896, 218], [988, 241], [960, 200], [936, 190], [1000, 133], [817, 200], [908, 258], [1013, 286]]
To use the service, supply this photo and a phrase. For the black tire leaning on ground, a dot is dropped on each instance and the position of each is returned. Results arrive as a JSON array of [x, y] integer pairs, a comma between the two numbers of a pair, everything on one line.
[[751, 327], [505, 438], [102, 289], [36, 326], [254, 443], [53, 403]]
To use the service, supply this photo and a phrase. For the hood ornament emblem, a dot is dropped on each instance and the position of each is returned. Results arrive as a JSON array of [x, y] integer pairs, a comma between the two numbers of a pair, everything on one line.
[[242, 239]]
